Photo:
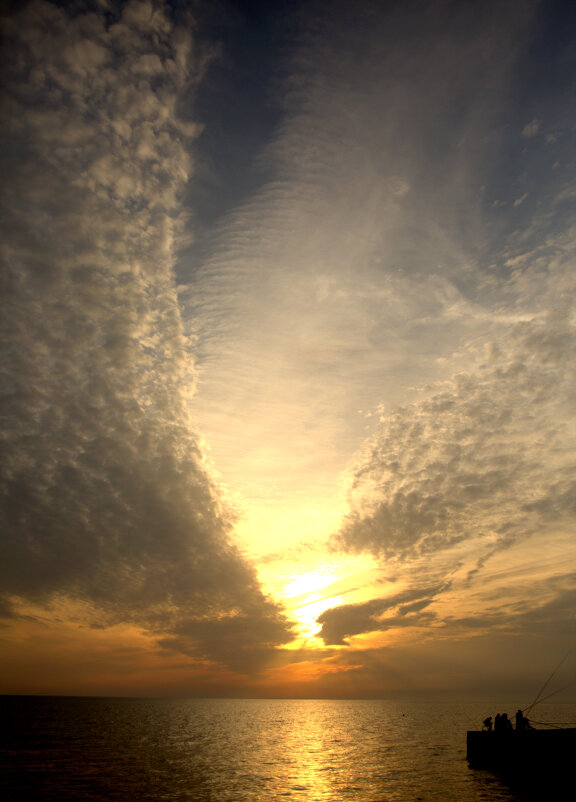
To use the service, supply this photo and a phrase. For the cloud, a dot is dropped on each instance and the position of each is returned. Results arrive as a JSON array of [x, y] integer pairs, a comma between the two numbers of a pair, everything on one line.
[[340, 623], [532, 128], [551, 618], [370, 258], [105, 493], [488, 454], [347, 271], [479, 471], [243, 642]]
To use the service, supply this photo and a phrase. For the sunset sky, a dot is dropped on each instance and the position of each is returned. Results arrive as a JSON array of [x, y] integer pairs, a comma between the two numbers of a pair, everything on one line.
[[289, 347]]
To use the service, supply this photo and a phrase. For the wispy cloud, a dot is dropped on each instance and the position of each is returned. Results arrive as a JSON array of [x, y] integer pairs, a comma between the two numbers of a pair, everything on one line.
[[339, 282]]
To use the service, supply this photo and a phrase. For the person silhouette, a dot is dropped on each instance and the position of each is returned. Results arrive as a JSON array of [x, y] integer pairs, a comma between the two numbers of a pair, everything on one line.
[[522, 723], [487, 724]]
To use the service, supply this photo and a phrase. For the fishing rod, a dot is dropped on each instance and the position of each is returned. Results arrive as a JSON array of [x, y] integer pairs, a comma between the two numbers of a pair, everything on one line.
[[538, 697], [563, 688]]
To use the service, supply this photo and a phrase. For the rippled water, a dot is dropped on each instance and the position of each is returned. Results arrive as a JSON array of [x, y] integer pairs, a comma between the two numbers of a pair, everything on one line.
[[151, 749]]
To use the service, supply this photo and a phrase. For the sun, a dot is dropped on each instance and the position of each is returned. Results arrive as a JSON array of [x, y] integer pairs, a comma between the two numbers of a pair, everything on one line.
[[311, 581], [307, 618], [304, 601], [306, 589]]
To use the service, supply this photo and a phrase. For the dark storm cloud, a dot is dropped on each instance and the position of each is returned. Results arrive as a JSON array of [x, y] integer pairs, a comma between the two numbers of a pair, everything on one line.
[[347, 620], [105, 494]]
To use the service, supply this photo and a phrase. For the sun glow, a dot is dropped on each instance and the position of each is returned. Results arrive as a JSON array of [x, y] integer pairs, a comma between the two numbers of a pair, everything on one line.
[[309, 582], [307, 616], [305, 595], [305, 602]]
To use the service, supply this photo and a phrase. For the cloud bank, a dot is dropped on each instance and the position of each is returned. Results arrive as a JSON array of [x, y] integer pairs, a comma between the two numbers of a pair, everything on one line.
[[489, 454], [105, 493], [481, 465]]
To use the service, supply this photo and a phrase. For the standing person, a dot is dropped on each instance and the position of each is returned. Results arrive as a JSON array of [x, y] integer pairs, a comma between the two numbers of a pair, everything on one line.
[[522, 723]]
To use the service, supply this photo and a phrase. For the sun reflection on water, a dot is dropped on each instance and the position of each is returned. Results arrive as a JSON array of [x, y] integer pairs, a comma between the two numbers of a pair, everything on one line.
[[241, 749]]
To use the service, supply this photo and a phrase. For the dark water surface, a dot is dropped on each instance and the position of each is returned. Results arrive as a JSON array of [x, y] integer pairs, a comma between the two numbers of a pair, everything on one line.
[[59, 748]]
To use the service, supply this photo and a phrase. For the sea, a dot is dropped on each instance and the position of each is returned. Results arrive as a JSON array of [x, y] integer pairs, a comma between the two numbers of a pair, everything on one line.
[[247, 750]]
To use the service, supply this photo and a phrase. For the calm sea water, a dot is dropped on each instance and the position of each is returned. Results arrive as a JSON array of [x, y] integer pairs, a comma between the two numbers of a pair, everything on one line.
[[55, 748]]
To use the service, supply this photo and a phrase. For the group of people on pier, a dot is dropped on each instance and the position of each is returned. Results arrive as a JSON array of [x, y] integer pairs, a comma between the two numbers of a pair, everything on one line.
[[502, 722]]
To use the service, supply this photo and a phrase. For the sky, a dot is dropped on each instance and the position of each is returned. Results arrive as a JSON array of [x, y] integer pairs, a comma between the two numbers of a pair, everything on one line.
[[289, 348]]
